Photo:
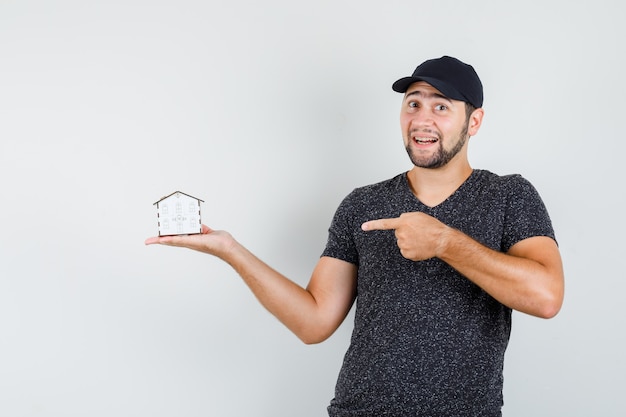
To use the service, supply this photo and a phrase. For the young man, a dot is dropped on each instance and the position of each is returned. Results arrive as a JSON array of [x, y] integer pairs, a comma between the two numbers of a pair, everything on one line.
[[436, 259]]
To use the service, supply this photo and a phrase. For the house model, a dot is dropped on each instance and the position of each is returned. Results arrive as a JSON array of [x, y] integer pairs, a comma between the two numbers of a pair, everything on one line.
[[179, 214]]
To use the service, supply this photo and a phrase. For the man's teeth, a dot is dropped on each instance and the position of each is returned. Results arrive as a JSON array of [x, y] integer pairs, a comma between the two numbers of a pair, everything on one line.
[[425, 140]]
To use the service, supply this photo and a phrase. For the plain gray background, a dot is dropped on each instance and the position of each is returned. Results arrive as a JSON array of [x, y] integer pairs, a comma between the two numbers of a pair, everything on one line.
[[272, 112]]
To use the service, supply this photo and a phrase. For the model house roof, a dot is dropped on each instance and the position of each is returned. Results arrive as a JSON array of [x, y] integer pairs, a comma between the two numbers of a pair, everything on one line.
[[178, 192]]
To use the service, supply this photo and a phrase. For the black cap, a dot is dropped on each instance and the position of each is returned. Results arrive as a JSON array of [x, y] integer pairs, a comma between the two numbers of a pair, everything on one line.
[[455, 79]]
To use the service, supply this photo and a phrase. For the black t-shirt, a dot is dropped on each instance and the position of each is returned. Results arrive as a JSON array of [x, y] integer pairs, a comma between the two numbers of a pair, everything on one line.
[[426, 340]]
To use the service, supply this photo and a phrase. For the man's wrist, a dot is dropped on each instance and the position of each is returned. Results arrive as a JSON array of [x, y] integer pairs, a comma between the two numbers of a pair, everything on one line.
[[446, 237]]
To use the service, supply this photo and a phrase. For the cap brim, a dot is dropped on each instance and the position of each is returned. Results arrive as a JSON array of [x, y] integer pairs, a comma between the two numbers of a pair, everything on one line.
[[446, 89]]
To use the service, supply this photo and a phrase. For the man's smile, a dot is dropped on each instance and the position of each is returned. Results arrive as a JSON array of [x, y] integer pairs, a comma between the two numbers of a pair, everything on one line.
[[424, 140]]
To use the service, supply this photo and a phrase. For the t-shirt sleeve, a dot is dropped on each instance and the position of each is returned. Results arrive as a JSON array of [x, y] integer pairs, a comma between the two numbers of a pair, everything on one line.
[[526, 214], [341, 243]]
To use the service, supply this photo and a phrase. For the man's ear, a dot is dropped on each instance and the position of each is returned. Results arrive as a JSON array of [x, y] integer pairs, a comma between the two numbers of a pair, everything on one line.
[[475, 120]]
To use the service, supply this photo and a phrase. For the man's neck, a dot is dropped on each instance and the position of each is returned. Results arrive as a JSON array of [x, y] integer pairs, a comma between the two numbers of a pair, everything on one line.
[[432, 186]]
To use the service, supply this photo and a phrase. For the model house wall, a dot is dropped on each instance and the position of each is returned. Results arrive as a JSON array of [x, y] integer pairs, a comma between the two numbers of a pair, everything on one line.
[[179, 214]]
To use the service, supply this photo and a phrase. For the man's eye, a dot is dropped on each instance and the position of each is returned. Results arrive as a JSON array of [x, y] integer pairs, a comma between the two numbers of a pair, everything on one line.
[[441, 107], [412, 104]]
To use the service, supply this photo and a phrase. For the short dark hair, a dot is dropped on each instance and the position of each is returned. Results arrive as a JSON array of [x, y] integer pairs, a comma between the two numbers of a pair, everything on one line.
[[469, 109]]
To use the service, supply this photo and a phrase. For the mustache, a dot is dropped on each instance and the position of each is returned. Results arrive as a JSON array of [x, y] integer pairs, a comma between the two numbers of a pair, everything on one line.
[[429, 132]]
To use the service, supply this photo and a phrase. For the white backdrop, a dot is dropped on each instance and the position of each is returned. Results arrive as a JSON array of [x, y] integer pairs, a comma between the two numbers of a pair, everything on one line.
[[271, 112]]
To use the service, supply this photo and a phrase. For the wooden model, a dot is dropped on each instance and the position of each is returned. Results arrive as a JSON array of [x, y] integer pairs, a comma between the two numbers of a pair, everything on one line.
[[179, 214]]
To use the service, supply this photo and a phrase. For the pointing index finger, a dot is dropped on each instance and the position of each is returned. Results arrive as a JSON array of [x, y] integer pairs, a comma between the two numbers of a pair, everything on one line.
[[380, 224]]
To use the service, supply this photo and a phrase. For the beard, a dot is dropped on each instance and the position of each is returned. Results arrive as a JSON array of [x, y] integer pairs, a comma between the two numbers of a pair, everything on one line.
[[442, 156]]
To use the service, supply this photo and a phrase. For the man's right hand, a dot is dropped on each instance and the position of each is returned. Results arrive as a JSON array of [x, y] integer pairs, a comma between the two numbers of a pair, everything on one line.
[[213, 242]]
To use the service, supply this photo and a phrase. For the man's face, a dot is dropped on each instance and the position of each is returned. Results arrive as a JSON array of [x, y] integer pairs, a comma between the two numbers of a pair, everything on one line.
[[434, 127]]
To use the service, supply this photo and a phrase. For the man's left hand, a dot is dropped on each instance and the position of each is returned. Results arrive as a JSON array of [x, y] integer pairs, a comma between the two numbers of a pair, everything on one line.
[[418, 235]]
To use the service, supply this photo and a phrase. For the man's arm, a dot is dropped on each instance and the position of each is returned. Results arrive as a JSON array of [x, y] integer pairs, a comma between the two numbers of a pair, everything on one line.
[[312, 314], [528, 278]]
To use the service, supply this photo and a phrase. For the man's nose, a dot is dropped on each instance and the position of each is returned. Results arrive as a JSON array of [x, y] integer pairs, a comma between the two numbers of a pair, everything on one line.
[[422, 118]]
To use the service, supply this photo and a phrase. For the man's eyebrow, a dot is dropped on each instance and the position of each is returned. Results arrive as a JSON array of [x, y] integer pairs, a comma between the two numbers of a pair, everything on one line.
[[427, 95]]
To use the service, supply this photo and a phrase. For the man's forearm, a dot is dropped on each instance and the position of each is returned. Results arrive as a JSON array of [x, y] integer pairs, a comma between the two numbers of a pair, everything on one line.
[[293, 305], [529, 278], [312, 314]]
